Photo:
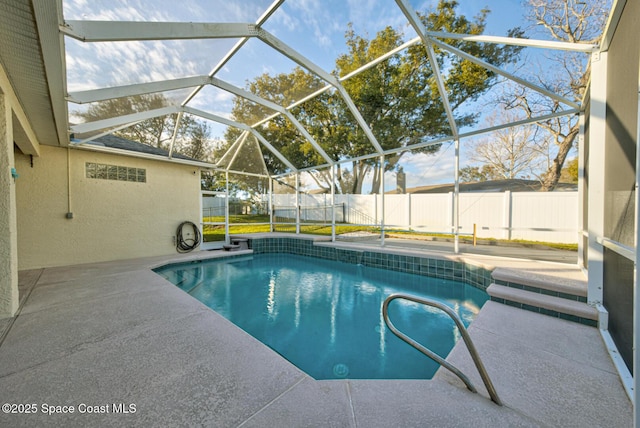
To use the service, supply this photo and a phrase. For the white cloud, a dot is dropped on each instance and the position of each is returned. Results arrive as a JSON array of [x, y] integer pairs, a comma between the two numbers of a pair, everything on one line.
[[318, 18], [112, 64], [164, 10], [213, 100], [284, 20], [425, 170], [371, 16]]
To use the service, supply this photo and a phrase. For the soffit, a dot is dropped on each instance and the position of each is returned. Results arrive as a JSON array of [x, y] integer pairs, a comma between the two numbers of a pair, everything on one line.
[[21, 57]]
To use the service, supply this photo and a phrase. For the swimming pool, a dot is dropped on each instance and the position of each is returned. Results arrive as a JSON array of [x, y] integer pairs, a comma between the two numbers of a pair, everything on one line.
[[325, 316]]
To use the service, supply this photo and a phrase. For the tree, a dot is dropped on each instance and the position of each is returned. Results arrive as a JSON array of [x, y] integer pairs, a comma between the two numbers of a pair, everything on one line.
[[197, 144], [283, 89], [470, 174], [153, 132], [398, 99], [515, 152], [570, 172], [569, 21], [192, 137]]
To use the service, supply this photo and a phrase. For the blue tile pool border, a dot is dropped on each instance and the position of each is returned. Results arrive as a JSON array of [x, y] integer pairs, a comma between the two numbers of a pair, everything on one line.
[[475, 276]]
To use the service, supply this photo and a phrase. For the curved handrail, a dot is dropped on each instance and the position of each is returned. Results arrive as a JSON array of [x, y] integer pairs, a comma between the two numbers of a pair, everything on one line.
[[438, 359]]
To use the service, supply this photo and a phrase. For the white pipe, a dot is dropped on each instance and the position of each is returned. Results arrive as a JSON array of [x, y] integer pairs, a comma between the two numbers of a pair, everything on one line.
[[226, 210], [456, 199], [382, 198], [333, 203]]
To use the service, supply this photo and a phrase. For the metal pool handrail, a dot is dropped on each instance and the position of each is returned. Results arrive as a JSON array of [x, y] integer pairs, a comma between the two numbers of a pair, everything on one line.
[[438, 359]]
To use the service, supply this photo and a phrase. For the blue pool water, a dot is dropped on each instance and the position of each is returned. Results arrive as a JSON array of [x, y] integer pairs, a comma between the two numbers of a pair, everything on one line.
[[325, 317]]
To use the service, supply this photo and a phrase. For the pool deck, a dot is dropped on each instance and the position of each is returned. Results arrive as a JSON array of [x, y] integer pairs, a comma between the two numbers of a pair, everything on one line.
[[116, 333]]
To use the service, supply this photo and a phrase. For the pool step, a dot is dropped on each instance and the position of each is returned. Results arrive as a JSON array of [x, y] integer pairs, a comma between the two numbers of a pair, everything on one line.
[[569, 284], [561, 298]]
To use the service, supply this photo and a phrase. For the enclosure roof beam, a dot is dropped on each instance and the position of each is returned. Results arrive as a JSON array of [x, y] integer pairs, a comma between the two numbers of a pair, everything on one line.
[[102, 134], [129, 153], [121, 120], [474, 133], [273, 150], [419, 27], [240, 143], [277, 44], [174, 136], [355, 72], [307, 169], [237, 172], [506, 74], [243, 127], [102, 94], [273, 106], [120, 31], [264, 165], [235, 148], [244, 94], [299, 59], [445, 139], [308, 136], [527, 121], [516, 41], [146, 88], [235, 143], [213, 117], [261, 20]]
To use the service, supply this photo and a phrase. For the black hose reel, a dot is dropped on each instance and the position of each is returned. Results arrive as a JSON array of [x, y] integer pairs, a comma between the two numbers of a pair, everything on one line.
[[186, 242]]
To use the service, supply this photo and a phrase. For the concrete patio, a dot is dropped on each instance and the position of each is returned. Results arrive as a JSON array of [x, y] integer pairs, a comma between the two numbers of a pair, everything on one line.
[[116, 333]]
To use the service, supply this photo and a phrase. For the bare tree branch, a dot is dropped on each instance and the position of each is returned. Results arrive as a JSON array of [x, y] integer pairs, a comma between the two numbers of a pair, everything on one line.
[[569, 21]]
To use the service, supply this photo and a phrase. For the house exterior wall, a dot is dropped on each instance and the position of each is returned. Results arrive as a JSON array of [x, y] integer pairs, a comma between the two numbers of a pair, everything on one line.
[[112, 219], [8, 230]]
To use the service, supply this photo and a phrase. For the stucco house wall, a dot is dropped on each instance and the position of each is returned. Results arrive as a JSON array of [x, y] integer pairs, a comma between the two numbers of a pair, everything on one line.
[[112, 219]]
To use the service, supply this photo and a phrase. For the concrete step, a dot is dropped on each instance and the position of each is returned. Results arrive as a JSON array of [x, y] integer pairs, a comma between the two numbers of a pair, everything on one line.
[[568, 286], [558, 307]]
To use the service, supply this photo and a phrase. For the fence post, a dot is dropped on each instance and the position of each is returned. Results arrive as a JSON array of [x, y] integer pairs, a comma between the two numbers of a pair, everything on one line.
[[383, 201], [375, 208], [475, 234], [450, 212], [347, 217], [297, 205], [507, 221], [270, 205], [408, 196], [324, 210], [333, 203]]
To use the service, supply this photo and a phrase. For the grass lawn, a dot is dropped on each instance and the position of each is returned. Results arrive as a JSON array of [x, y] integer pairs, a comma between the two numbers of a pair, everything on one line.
[[256, 224], [260, 224], [481, 241]]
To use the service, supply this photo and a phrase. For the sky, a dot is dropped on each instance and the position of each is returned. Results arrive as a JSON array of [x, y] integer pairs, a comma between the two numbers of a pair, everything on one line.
[[315, 28]]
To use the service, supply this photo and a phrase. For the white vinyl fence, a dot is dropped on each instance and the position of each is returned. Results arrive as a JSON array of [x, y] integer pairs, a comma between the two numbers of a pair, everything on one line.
[[534, 216]]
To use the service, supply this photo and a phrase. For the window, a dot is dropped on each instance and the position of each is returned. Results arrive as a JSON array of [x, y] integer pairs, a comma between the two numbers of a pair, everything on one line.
[[114, 172]]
